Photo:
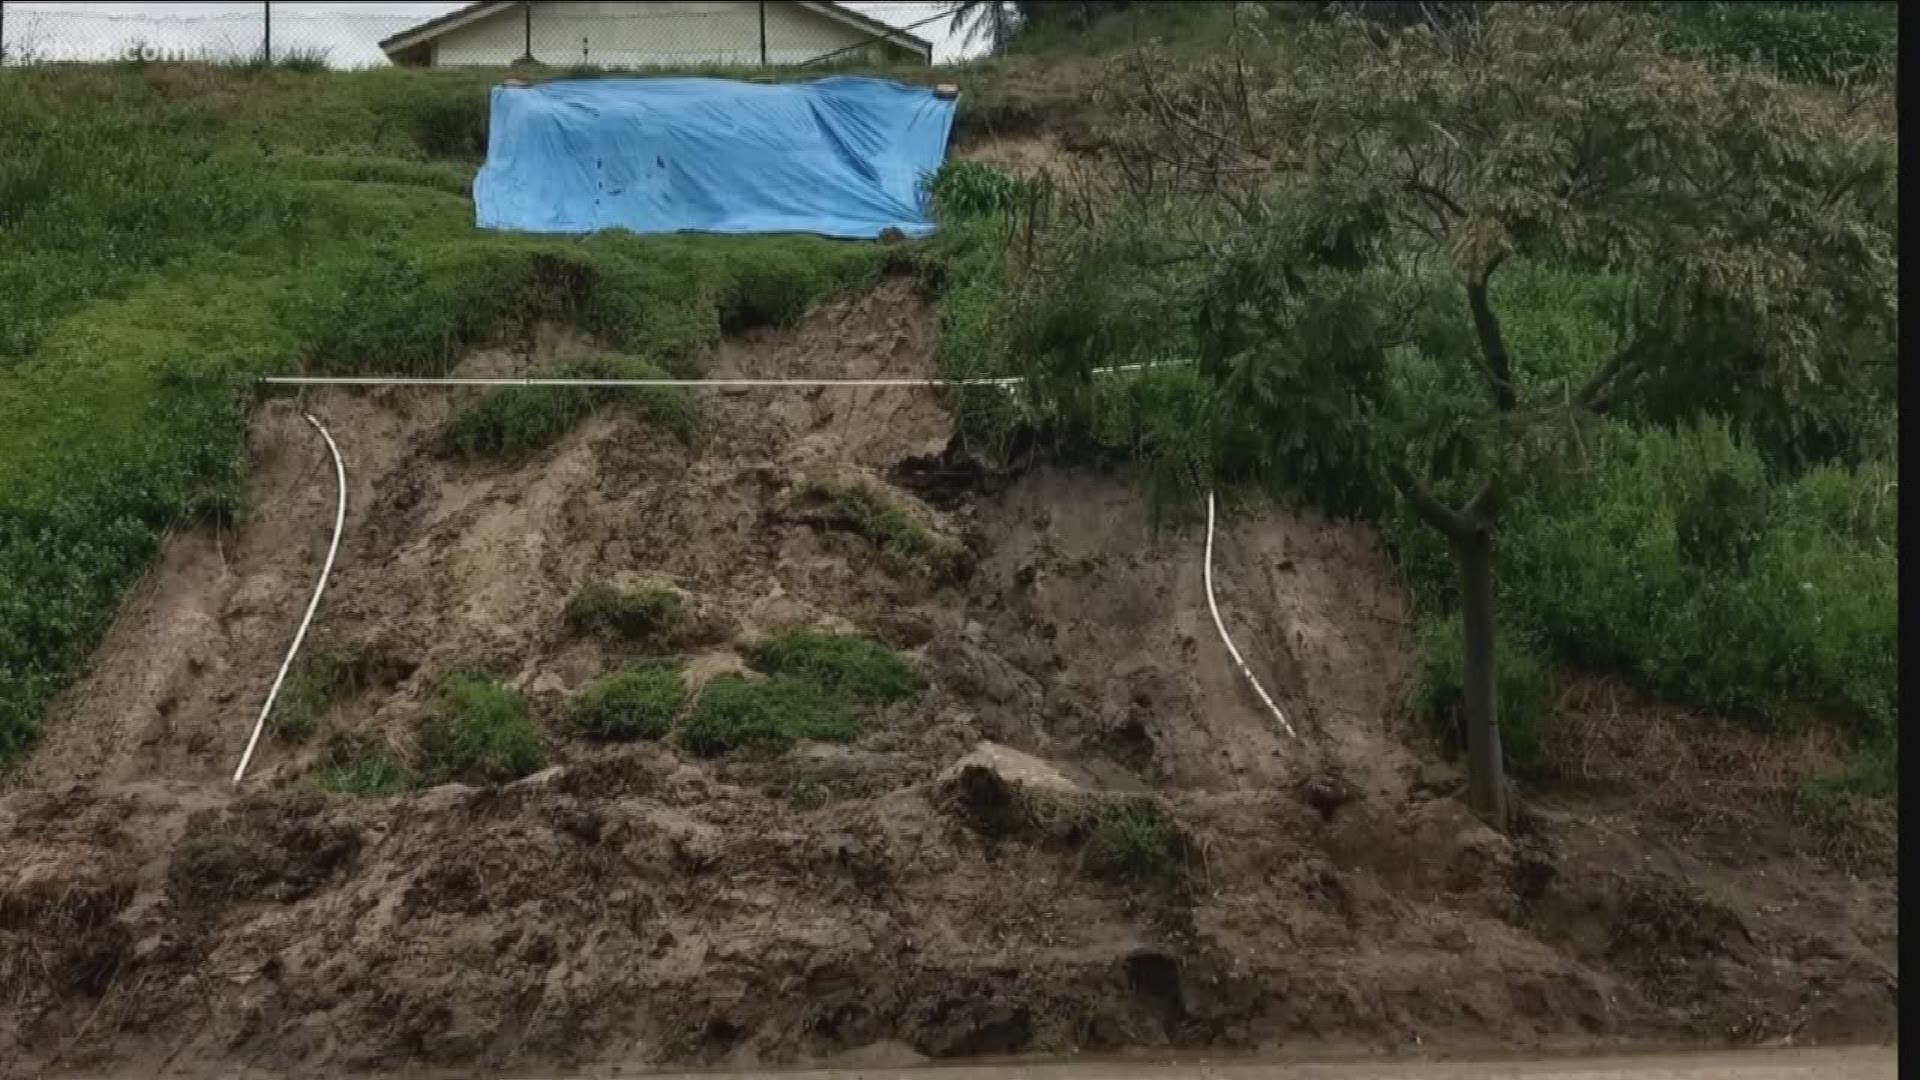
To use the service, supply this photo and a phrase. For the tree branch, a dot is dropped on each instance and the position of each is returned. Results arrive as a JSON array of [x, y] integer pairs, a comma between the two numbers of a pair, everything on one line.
[[1593, 394], [1493, 347], [1453, 524], [1419, 187]]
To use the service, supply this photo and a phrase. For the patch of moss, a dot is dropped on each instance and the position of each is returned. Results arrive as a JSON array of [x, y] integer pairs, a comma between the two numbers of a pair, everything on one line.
[[479, 731], [638, 703], [765, 715], [640, 616], [865, 671], [359, 764], [869, 513]]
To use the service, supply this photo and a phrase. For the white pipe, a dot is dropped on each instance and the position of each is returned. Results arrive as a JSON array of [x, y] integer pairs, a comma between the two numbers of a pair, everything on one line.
[[1222, 627], [382, 380], [339, 523]]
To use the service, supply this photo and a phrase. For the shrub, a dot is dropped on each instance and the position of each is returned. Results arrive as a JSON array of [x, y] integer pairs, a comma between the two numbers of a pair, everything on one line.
[[845, 664], [360, 764], [1800, 40], [861, 509], [1518, 679], [454, 125], [639, 703], [961, 189], [644, 616], [512, 422], [479, 731], [1597, 567], [765, 715]]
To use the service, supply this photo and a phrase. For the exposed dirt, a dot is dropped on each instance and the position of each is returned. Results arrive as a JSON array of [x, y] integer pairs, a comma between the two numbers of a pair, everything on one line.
[[634, 905]]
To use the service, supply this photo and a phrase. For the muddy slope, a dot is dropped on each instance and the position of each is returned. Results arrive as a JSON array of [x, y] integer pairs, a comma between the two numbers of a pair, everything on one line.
[[640, 907]]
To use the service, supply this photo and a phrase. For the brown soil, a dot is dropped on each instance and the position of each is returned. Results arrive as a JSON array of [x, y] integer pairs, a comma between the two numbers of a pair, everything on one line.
[[638, 906]]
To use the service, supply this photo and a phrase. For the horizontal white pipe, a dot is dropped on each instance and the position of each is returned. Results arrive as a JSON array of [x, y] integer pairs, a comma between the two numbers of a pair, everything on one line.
[[385, 380]]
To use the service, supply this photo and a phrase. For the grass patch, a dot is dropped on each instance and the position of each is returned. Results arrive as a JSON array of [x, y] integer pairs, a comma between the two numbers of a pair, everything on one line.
[[603, 609], [735, 713], [865, 511], [479, 731], [845, 664], [310, 691], [638, 703], [513, 422], [1854, 810], [324, 675], [1120, 837], [359, 764], [1519, 681], [1132, 839]]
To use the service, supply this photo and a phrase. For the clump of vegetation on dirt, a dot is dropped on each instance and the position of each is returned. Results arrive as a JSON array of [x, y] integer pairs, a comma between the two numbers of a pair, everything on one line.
[[866, 511], [765, 716], [310, 690], [861, 670], [479, 731], [326, 673], [817, 686], [510, 423], [637, 703], [357, 763], [1132, 839], [649, 617], [1120, 837], [645, 616]]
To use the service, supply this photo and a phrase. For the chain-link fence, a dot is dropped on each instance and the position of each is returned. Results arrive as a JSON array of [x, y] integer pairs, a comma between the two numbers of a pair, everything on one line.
[[631, 34]]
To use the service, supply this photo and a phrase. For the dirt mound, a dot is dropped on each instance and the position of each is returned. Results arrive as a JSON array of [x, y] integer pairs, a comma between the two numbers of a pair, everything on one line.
[[1229, 887]]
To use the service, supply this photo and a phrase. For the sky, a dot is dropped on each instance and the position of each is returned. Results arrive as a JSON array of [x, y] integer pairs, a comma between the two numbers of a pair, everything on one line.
[[346, 32]]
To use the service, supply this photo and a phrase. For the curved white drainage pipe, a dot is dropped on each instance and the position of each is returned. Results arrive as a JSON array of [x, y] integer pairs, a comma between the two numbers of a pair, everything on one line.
[[339, 522], [1222, 627]]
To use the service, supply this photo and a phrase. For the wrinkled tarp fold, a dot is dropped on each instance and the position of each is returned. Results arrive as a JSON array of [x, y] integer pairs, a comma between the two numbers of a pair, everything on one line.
[[840, 157]]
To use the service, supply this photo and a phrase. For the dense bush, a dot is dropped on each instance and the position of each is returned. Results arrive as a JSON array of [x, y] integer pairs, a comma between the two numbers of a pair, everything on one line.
[[1802, 40], [1784, 603], [479, 731], [638, 703]]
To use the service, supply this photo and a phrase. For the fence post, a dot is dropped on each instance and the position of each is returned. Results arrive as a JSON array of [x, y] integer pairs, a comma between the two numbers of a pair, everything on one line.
[[266, 32], [526, 10], [763, 33]]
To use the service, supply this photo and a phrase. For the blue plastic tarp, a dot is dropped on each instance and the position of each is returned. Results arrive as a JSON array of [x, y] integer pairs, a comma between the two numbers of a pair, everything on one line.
[[841, 157]]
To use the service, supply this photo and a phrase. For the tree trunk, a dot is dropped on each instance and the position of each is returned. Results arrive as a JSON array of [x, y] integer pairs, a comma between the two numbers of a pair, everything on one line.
[[1486, 769]]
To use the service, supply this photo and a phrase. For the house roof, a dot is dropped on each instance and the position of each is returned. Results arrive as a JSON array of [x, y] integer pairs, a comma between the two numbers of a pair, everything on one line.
[[452, 20]]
